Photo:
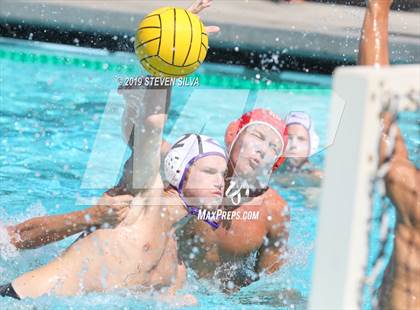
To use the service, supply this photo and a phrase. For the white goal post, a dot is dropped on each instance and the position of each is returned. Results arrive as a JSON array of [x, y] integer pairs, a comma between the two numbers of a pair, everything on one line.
[[341, 251]]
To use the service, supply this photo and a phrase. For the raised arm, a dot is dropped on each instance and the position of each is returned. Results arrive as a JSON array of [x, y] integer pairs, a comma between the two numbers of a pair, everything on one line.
[[400, 287], [43, 230], [403, 178], [143, 121], [373, 45]]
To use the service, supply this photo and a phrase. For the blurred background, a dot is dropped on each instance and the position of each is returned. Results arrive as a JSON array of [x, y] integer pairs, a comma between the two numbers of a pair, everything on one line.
[[408, 5]]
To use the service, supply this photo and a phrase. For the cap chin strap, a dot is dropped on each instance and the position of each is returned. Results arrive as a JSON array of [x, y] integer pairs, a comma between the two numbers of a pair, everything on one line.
[[233, 192], [194, 210]]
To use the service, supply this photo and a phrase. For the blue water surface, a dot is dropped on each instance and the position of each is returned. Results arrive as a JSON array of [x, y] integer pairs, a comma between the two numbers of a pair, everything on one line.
[[61, 145]]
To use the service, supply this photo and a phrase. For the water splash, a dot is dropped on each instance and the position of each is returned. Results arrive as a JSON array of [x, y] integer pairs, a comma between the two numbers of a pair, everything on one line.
[[7, 250]]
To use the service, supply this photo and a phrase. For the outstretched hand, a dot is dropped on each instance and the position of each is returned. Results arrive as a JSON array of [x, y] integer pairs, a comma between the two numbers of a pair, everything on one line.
[[200, 5]]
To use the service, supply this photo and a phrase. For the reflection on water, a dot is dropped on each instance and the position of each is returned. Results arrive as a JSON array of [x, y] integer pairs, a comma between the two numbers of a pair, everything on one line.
[[291, 298]]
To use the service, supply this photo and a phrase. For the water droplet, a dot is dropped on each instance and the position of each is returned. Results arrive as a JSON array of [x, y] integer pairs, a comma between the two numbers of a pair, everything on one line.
[[230, 285]]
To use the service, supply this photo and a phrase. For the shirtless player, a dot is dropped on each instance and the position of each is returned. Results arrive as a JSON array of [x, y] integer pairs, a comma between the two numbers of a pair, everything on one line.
[[107, 212], [255, 143], [140, 253]]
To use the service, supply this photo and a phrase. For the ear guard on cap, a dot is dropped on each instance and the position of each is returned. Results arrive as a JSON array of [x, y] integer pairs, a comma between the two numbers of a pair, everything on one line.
[[184, 152]]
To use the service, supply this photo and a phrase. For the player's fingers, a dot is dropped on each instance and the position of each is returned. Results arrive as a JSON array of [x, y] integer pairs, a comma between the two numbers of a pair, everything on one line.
[[212, 29], [207, 3]]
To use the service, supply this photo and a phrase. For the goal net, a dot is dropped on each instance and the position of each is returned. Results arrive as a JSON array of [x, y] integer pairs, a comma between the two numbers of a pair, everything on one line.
[[354, 235]]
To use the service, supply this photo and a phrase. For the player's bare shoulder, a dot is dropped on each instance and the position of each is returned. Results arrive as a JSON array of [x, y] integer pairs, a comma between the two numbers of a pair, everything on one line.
[[273, 200]]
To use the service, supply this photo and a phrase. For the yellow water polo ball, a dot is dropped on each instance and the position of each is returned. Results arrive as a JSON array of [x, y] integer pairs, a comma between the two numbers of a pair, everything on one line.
[[171, 42]]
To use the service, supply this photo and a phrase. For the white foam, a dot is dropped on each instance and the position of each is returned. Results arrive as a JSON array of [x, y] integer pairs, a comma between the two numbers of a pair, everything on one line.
[[7, 250]]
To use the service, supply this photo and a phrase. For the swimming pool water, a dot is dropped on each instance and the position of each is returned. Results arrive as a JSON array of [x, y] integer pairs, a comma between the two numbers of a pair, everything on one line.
[[52, 111]]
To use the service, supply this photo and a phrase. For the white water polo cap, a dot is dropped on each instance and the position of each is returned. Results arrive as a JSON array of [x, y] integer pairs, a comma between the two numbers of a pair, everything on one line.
[[184, 152], [303, 119]]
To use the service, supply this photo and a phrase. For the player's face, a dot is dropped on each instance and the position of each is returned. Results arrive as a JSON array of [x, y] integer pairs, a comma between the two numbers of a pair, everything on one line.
[[298, 142], [205, 183], [256, 150], [297, 149]]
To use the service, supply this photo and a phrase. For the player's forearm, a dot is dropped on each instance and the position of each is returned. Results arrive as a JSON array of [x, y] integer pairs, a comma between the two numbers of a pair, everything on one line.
[[40, 231], [373, 45], [146, 157], [148, 131]]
